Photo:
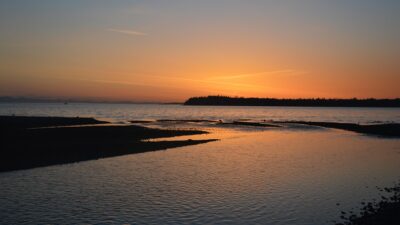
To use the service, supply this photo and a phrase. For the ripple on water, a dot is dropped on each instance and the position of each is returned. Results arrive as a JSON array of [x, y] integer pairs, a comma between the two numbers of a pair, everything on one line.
[[269, 177]]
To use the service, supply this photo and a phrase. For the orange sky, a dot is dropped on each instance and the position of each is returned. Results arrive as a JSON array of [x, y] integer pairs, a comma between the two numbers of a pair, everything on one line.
[[159, 51]]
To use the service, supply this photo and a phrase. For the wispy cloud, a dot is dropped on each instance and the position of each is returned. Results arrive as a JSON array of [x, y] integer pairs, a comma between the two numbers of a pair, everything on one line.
[[128, 32], [239, 76], [220, 83]]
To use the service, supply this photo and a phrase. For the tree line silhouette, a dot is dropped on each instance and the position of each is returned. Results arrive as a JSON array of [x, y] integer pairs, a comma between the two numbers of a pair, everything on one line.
[[322, 102]]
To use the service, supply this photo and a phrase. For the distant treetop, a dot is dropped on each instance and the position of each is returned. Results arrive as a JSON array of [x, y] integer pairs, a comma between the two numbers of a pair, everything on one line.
[[316, 102]]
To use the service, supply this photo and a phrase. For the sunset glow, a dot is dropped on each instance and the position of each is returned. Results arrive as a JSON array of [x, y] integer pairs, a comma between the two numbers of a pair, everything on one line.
[[166, 51]]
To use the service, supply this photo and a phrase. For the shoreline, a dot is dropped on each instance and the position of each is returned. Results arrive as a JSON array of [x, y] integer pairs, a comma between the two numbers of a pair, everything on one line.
[[24, 147], [384, 130], [389, 130]]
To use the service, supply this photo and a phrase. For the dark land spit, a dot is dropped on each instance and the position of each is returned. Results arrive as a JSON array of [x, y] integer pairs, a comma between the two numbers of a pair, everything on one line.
[[23, 147], [19, 122], [188, 121], [251, 124], [312, 102], [141, 121], [383, 130]]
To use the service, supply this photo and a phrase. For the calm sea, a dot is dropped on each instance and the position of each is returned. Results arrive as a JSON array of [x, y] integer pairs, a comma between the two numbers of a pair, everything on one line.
[[293, 176], [125, 112]]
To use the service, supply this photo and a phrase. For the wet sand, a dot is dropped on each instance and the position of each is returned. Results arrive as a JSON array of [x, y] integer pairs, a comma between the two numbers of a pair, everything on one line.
[[390, 130], [253, 124], [383, 130], [29, 144]]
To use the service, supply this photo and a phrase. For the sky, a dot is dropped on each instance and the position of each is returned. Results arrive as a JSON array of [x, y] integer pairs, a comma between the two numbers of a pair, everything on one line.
[[168, 51]]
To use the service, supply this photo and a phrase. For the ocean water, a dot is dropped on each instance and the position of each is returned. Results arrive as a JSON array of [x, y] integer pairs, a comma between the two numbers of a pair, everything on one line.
[[296, 176], [125, 112]]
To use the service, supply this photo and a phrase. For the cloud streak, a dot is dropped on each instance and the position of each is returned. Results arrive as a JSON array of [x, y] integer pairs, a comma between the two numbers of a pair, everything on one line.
[[128, 32], [274, 72]]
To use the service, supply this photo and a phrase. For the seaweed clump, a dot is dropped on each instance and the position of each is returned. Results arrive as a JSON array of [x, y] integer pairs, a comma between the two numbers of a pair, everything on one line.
[[385, 211]]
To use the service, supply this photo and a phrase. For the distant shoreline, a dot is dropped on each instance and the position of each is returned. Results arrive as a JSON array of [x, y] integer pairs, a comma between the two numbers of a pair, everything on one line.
[[311, 102], [6, 99]]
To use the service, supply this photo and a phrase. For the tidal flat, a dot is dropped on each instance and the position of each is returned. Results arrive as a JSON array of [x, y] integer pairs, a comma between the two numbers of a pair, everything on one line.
[[30, 142]]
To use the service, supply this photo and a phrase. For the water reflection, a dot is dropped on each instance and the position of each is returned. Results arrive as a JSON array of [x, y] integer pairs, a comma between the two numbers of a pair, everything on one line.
[[269, 176]]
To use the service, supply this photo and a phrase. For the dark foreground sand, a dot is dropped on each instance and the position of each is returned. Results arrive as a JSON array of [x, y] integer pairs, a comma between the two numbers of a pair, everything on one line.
[[26, 144]]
